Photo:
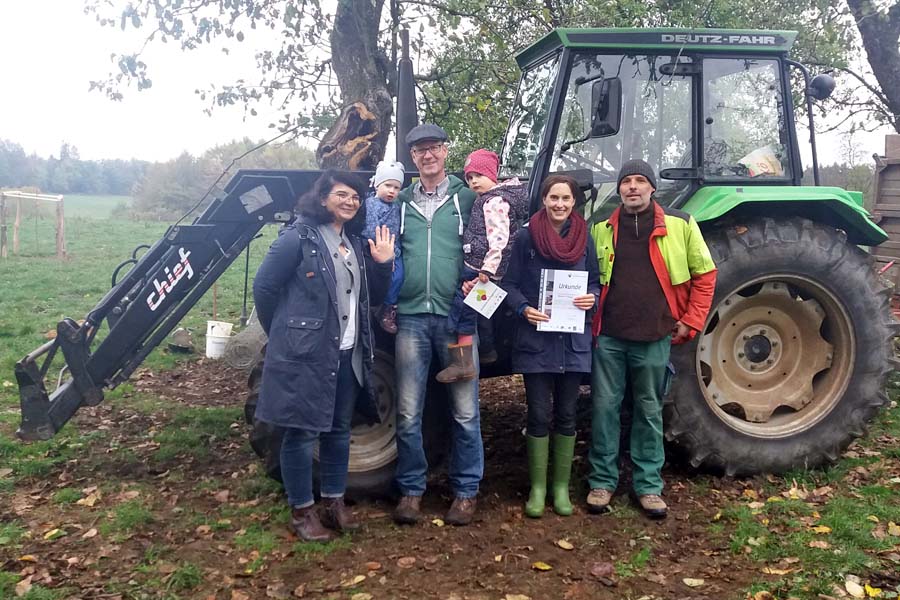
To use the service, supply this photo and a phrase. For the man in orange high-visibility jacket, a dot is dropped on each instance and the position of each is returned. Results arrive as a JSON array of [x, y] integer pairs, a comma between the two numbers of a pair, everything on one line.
[[658, 281]]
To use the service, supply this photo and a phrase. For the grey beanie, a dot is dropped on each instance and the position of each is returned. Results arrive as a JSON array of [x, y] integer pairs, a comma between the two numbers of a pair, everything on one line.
[[386, 170], [636, 166]]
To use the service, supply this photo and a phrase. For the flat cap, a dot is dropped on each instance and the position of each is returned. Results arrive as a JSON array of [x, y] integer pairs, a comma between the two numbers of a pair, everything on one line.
[[425, 131]]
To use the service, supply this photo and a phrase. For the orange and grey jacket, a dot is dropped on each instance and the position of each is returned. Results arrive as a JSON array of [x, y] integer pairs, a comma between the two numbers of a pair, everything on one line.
[[680, 258]]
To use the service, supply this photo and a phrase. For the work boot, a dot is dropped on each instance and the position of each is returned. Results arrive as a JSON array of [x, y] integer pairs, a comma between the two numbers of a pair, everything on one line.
[[306, 524], [598, 500], [563, 451], [653, 506], [538, 450], [387, 318], [407, 511], [462, 364], [461, 512], [337, 516]]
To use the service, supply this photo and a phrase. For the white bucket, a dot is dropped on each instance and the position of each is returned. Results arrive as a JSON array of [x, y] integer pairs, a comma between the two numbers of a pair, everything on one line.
[[217, 334]]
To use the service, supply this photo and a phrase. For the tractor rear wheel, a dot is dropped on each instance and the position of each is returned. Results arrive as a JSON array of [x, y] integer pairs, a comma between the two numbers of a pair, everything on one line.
[[792, 362]]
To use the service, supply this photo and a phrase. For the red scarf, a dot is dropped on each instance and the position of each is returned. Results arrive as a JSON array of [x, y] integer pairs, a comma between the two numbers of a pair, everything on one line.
[[550, 244]]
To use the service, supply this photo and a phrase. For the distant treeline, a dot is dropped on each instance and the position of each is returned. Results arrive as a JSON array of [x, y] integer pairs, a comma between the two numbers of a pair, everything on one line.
[[67, 174], [160, 191]]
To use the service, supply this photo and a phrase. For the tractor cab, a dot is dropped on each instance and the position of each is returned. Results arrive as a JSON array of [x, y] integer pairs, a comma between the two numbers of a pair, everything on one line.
[[703, 107]]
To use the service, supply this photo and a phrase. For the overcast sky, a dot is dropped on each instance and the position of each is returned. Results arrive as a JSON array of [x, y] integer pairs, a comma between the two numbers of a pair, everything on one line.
[[50, 51]]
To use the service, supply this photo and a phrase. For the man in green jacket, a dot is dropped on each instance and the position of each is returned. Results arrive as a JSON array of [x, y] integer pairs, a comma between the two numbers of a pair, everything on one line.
[[434, 213]]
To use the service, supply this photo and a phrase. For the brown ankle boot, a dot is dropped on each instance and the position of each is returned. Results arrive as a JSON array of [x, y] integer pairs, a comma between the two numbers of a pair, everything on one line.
[[408, 511], [306, 524], [337, 516], [461, 367]]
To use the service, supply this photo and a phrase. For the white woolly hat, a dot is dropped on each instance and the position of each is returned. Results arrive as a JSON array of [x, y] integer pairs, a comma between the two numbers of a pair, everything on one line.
[[388, 170]]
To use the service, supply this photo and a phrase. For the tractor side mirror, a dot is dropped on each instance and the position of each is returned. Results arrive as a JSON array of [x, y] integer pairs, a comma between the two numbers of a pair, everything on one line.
[[821, 86], [606, 107]]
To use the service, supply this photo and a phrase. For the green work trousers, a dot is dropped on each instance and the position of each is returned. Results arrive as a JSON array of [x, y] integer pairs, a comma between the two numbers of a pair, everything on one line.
[[644, 363]]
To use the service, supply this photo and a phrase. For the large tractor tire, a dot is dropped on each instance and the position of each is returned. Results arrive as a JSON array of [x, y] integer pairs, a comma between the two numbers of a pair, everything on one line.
[[373, 447], [793, 360]]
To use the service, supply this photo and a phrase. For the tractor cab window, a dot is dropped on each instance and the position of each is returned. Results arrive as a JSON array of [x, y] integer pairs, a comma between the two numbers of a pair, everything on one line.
[[744, 133], [653, 122], [528, 120]]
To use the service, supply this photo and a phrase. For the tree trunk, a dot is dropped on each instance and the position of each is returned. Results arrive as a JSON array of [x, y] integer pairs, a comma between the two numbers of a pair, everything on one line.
[[880, 34], [358, 138]]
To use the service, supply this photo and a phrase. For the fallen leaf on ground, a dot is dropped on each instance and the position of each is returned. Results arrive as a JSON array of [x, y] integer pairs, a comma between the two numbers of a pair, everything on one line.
[[821, 529], [129, 495], [300, 591], [774, 499], [773, 571], [28, 558], [54, 534], [872, 592], [763, 595], [277, 590], [602, 569], [516, 597], [756, 505], [354, 581], [406, 562], [690, 582], [5, 473], [541, 566], [750, 493], [656, 578], [437, 522], [238, 595], [221, 496], [821, 544], [893, 528], [565, 544], [373, 566], [872, 518], [755, 541], [24, 586], [361, 596], [90, 500], [854, 589]]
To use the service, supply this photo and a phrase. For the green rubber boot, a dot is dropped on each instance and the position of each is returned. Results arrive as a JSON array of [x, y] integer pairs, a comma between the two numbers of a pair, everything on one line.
[[563, 451], [538, 450]]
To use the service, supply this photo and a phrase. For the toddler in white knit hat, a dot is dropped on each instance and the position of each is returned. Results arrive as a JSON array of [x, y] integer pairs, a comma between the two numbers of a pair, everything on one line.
[[382, 210]]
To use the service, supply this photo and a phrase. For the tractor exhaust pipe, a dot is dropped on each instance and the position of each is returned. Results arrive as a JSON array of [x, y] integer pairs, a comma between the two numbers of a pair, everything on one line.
[[407, 117]]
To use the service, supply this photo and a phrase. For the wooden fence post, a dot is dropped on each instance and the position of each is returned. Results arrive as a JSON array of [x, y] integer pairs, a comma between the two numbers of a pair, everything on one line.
[[60, 230], [16, 224], [3, 250]]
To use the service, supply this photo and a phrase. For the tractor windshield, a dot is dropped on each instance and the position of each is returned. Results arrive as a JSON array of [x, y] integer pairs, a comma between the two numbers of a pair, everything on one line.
[[655, 123]]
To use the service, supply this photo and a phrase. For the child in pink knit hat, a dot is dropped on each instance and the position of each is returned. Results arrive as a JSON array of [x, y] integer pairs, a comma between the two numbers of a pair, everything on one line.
[[497, 214]]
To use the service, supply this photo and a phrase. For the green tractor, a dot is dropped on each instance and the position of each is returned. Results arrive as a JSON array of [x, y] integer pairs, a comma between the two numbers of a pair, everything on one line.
[[793, 359]]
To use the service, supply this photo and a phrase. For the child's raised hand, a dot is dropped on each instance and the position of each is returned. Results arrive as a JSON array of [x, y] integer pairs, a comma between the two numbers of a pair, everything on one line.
[[382, 248]]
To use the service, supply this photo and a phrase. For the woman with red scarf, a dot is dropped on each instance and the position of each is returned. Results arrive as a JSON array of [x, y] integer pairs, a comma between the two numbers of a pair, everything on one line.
[[553, 363]]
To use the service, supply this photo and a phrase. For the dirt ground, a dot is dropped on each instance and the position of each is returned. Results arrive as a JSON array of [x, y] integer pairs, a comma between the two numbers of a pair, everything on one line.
[[619, 555]]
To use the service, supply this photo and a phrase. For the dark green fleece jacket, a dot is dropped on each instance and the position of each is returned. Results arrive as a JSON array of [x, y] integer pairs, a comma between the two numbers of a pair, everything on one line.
[[432, 253]]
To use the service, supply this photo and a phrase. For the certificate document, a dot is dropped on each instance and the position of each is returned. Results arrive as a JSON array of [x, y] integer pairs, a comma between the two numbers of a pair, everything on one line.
[[558, 290], [485, 298]]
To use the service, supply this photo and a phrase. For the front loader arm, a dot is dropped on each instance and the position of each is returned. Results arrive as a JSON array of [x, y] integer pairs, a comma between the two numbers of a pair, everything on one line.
[[150, 300]]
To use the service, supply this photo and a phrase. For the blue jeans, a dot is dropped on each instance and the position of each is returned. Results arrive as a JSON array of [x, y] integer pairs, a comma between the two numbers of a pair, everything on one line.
[[419, 338], [334, 446], [463, 319], [393, 292]]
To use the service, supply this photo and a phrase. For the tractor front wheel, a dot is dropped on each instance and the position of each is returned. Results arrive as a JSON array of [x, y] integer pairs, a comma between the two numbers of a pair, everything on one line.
[[792, 362]]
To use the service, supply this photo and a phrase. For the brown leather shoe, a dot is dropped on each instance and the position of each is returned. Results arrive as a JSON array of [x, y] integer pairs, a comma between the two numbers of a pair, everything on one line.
[[337, 516], [306, 524], [407, 511], [653, 506], [462, 511]]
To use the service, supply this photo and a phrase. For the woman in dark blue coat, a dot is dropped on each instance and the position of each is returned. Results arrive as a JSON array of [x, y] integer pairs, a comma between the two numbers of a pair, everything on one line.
[[312, 293], [553, 363]]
